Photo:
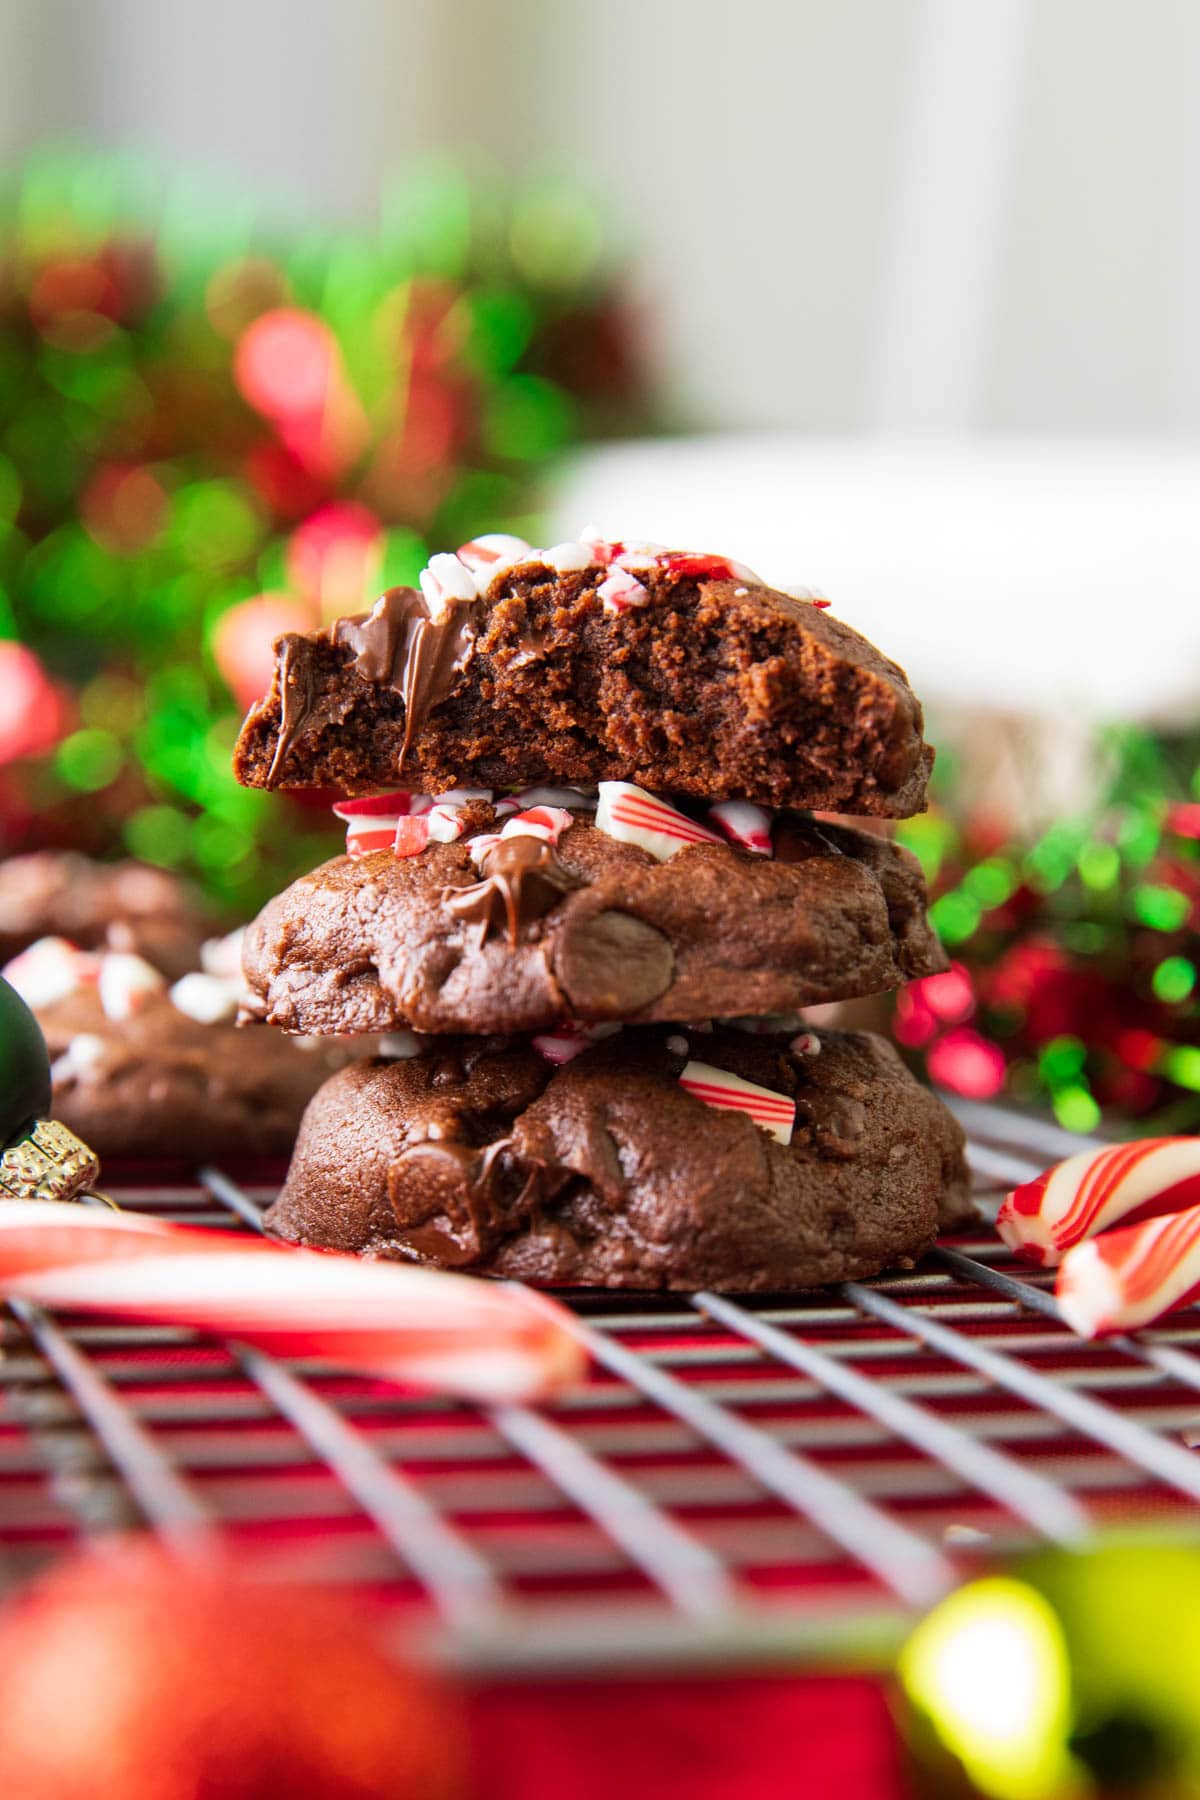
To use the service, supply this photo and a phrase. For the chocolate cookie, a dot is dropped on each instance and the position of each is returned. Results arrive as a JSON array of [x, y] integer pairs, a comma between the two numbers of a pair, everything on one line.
[[139, 1069], [609, 1171], [127, 906], [590, 926], [590, 662]]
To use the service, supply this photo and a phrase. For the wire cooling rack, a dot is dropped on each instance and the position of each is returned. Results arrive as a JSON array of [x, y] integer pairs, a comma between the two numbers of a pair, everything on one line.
[[735, 1482]]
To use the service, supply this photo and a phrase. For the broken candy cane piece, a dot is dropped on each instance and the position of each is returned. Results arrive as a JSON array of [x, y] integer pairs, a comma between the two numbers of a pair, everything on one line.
[[807, 1043], [488, 556], [373, 821], [569, 1041], [84, 1053], [49, 970], [574, 798], [745, 825], [1096, 1189], [444, 580], [546, 822], [1123, 1279], [209, 999], [622, 590], [773, 1113], [633, 816], [439, 1331], [126, 983], [222, 956]]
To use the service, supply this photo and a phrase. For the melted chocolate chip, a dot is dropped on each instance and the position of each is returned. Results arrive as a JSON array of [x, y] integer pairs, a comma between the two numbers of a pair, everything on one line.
[[611, 965], [481, 1193], [401, 645], [521, 879]]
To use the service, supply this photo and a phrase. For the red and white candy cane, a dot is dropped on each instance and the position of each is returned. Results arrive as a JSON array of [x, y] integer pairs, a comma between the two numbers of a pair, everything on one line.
[[773, 1113], [747, 826], [633, 816], [1096, 1189], [417, 1326], [1123, 1279], [404, 823]]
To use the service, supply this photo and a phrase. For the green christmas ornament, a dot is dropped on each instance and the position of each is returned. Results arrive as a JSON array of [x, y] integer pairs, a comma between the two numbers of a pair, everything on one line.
[[24, 1067], [39, 1158]]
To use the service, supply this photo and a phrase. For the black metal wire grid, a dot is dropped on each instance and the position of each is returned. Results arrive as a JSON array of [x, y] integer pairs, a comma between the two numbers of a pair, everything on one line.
[[734, 1481]]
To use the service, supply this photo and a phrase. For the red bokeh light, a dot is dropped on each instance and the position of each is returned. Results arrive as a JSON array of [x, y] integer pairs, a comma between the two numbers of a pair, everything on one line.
[[967, 1064], [244, 641], [286, 363], [32, 714], [124, 508], [334, 558]]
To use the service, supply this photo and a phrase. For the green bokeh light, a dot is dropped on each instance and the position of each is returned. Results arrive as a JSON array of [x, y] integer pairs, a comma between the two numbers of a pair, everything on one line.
[[1076, 1109], [1162, 908], [1173, 980], [955, 917], [89, 760]]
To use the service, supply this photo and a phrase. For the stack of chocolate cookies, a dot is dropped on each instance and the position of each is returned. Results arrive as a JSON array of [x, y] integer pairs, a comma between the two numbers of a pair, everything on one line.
[[586, 897]]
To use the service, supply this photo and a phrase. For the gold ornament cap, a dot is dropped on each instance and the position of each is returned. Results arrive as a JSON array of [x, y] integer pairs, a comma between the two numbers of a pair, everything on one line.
[[50, 1163]]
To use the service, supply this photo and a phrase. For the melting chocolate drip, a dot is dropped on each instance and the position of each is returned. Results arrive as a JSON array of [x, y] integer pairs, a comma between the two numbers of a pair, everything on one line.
[[521, 879], [400, 644], [295, 701], [477, 1177]]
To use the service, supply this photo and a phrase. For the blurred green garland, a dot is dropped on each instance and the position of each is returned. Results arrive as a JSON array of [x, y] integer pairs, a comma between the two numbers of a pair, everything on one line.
[[194, 415]]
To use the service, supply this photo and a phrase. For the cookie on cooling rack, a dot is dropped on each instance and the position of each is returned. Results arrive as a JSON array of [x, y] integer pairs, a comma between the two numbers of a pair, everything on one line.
[[643, 1159], [593, 661], [144, 1069], [590, 914], [126, 906]]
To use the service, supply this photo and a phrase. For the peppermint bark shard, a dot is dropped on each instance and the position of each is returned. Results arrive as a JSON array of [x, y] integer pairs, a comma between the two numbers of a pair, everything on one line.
[[714, 687]]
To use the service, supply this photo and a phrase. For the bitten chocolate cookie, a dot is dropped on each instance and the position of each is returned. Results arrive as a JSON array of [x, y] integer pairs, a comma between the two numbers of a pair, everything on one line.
[[140, 1069], [518, 933], [655, 1159], [591, 662], [127, 906]]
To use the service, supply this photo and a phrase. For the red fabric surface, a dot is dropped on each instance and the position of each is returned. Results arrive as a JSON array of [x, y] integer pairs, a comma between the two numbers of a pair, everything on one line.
[[697, 1738]]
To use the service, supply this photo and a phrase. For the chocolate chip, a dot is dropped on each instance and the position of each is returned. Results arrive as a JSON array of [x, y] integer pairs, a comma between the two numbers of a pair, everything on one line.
[[610, 965]]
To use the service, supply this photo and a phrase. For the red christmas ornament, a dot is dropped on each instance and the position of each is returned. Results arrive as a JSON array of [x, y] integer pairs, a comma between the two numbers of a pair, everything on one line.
[[138, 1676]]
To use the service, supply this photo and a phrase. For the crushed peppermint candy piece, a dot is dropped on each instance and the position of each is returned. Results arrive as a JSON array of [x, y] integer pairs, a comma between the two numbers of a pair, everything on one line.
[[565, 557], [745, 825], [208, 999], [126, 982], [548, 822], [576, 799], [771, 1112], [222, 956], [633, 816], [569, 1041], [621, 590], [399, 1046], [488, 556], [807, 1043], [1097, 1189], [84, 1053], [478, 847], [677, 1044], [1127, 1278], [404, 823], [49, 970], [445, 579]]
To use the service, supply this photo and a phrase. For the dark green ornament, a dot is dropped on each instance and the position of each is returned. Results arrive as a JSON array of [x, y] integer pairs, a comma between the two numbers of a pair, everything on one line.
[[24, 1067]]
